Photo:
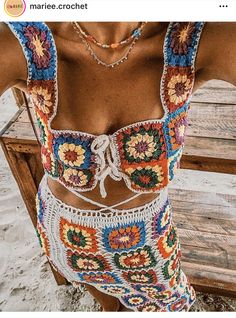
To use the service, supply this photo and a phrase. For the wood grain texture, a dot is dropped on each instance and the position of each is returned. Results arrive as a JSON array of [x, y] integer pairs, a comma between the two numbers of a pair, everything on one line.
[[219, 92], [18, 95], [212, 121], [206, 226]]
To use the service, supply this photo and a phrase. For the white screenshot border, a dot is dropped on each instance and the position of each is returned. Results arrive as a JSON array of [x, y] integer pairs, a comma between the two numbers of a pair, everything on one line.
[[122, 10]]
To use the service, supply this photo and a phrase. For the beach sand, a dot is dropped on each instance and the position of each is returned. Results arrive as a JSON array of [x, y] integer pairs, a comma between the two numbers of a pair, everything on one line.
[[26, 281]]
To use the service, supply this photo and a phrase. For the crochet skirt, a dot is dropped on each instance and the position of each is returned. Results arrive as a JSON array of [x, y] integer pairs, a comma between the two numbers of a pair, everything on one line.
[[131, 254]]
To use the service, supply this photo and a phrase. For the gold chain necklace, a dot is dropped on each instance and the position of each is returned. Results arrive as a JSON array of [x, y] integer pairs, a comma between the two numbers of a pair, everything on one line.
[[98, 60]]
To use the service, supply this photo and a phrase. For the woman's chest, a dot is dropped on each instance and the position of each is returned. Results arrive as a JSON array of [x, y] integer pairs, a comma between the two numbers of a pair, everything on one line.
[[95, 99]]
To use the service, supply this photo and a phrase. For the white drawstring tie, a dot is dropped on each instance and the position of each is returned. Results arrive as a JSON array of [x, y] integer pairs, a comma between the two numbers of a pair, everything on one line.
[[106, 159]]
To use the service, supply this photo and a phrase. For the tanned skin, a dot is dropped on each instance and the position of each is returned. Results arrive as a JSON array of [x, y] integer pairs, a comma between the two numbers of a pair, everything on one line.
[[97, 100]]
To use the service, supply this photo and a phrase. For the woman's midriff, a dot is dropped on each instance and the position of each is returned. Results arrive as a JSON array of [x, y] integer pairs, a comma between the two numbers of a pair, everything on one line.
[[117, 191]]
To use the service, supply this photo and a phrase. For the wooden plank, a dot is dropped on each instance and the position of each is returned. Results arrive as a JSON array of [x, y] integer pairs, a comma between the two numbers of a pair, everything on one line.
[[216, 92], [209, 123], [210, 148], [18, 95], [35, 166], [207, 240], [10, 123], [208, 164], [206, 278], [205, 224], [24, 117], [201, 271], [24, 147], [207, 127], [20, 132], [215, 111], [210, 211], [202, 256], [202, 197]]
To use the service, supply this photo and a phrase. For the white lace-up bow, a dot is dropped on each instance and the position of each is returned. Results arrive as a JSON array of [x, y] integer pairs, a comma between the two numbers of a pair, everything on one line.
[[106, 159]]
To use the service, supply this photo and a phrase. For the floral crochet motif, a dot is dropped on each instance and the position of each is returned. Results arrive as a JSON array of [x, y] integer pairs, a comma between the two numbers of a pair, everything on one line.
[[39, 45], [153, 289], [78, 237], [124, 237], [181, 37], [141, 144], [83, 262], [179, 82], [42, 98], [99, 278], [167, 242], [146, 277], [140, 258], [118, 289], [134, 300], [172, 265], [71, 155], [77, 178], [179, 304], [73, 152]]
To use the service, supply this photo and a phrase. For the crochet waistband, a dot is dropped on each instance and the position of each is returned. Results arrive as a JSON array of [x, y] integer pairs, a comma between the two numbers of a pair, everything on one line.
[[108, 215]]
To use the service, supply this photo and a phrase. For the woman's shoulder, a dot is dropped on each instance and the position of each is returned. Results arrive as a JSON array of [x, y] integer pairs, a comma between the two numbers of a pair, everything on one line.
[[216, 55], [216, 33], [12, 59], [216, 39], [6, 38]]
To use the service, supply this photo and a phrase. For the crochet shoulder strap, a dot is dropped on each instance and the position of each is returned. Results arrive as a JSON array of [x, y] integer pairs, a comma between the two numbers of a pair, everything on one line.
[[38, 47], [180, 49], [40, 53], [182, 43]]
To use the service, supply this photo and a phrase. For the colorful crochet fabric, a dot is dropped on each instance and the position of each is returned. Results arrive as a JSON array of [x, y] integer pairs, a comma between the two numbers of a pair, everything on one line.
[[133, 255], [145, 154]]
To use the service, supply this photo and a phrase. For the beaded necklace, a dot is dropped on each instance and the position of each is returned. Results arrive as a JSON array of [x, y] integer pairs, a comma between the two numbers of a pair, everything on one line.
[[136, 33], [115, 63]]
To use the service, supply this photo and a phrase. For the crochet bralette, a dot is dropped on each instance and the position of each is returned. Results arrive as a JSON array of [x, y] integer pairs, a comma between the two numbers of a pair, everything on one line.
[[145, 154]]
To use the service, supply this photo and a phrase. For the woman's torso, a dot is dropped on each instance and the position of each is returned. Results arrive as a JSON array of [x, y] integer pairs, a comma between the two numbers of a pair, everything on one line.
[[126, 94], [95, 100]]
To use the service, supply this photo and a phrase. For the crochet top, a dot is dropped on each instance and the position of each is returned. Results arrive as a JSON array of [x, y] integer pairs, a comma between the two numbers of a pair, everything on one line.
[[144, 154]]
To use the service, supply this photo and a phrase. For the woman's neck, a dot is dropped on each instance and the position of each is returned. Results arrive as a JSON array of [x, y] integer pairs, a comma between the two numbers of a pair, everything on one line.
[[109, 32]]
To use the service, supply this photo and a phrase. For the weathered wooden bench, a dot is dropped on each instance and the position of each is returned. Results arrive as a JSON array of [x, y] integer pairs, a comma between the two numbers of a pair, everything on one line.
[[206, 221]]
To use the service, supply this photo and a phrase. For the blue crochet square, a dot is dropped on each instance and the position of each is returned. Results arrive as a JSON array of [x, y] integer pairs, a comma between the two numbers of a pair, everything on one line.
[[124, 237], [73, 151], [181, 43], [39, 48]]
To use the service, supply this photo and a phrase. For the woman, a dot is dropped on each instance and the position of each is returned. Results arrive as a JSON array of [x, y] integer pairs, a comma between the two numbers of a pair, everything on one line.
[[111, 100]]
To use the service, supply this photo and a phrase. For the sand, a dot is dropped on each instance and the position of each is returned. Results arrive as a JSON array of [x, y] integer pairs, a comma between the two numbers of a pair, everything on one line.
[[26, 281]]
